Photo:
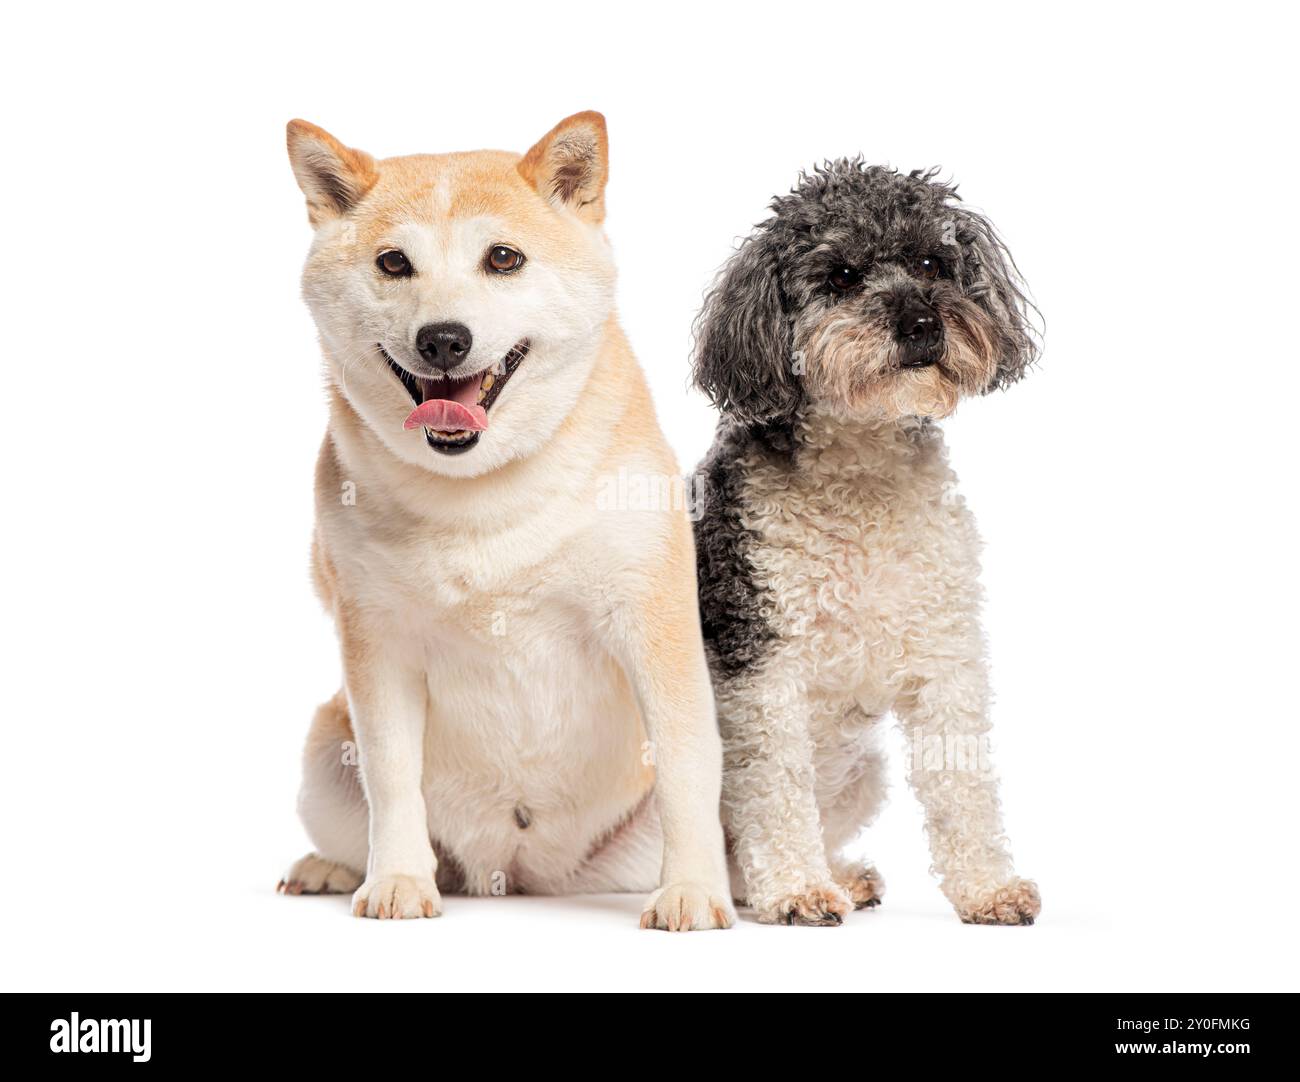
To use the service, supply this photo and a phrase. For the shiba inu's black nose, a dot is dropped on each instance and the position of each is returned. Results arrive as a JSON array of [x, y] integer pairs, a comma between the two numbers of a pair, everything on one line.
[[444, 345]]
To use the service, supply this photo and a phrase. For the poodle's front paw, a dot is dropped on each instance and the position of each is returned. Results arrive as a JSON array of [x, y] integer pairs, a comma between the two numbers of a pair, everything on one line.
[[823, 906], [1017, 902], [397, 897], [685, 907]]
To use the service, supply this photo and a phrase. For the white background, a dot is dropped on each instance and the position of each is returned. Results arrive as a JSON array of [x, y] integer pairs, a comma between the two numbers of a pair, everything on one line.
[[162, 409]]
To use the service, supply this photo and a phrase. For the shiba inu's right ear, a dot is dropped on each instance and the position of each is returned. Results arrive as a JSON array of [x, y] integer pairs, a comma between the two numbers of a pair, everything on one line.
[[332, 177], [570, 164]]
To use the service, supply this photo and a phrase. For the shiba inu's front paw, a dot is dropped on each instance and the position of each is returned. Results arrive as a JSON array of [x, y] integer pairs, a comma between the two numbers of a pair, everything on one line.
[[397, 897], [686, 907], [1017, 902]]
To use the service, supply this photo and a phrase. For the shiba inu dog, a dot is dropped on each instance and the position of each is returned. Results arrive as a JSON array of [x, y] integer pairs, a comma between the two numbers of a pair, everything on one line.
[[525, 686]]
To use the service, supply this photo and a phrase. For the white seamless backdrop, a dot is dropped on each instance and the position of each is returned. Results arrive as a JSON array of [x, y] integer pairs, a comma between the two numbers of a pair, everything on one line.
[[162, 410]]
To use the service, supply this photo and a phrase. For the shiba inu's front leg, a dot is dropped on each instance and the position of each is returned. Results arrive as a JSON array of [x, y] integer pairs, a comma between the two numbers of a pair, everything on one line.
[[677, 703], [388, 697], [665, 660]]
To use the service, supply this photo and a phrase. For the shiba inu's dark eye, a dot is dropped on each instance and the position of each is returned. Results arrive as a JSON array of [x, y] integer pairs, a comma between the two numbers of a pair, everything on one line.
[[502, 259], [393, 263], [844, 278]]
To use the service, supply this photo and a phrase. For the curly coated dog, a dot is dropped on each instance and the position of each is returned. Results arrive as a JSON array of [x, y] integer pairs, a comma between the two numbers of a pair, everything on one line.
[[838, 566]]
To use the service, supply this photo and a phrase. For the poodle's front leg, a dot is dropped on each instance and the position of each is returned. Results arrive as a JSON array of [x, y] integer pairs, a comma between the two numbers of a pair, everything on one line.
[[769, 802], [945, 718]]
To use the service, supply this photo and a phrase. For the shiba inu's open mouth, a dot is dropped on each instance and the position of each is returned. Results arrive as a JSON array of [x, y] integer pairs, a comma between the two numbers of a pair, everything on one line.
[[453, 412]]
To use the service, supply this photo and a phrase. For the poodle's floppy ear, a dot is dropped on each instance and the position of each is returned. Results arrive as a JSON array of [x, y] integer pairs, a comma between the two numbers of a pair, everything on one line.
[[996, 286], [570, 164], [332, 177], [743, 341]]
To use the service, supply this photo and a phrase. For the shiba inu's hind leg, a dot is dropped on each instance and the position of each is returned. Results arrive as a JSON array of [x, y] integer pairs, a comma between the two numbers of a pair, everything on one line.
[[313, 874], [332, 806], [628, 859]]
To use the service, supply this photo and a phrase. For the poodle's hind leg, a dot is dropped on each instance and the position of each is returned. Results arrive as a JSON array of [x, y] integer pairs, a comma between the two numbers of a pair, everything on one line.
[[855, 804], [333, 808], [861, 882]]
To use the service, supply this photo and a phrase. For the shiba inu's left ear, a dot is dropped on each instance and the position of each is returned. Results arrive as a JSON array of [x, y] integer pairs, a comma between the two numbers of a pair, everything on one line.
[[570, 164], [332, 177]]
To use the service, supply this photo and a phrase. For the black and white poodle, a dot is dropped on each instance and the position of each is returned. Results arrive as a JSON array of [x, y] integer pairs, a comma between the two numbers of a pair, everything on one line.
[[838, 565]]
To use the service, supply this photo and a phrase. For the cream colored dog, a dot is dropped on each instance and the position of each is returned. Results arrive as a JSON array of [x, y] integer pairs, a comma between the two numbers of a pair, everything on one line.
[[527, 705]]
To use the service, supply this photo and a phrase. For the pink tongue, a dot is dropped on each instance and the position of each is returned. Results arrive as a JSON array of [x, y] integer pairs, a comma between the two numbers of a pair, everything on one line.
[[444, 415]]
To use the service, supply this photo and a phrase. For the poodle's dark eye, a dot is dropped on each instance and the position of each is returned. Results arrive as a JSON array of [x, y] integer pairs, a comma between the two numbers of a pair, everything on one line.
[[929, 267], [844, 278], [394, 263], [502, 259]]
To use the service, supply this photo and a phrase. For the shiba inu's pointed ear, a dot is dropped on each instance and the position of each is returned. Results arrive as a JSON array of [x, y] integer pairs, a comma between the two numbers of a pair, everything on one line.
[[332, 177], [570, 164]]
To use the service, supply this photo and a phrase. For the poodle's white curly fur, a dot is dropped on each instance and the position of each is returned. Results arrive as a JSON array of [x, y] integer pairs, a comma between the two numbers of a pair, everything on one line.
[[868, 561]]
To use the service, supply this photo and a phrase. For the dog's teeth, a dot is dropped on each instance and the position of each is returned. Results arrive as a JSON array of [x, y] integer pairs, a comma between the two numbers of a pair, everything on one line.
[[459, 436], [482, 394], [488, 380], [449, 437]]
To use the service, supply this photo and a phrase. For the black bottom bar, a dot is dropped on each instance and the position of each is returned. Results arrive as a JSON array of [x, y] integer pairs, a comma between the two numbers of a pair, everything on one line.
[[319, 1034]]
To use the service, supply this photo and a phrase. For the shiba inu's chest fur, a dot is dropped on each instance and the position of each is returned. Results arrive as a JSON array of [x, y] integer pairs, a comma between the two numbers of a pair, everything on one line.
[[534, 746]]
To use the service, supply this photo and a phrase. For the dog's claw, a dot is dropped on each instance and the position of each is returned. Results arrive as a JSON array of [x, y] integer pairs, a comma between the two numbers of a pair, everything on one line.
[[397, 897], [817, 907], [686, 907], [1017, 904]]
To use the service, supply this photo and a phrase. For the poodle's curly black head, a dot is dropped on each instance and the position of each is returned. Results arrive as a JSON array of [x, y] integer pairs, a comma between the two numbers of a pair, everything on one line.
[[868, 292]]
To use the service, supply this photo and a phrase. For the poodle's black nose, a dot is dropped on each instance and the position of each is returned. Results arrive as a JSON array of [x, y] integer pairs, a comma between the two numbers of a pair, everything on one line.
[[918, 325], [444, 345]]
